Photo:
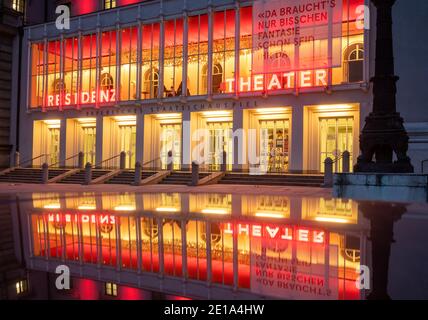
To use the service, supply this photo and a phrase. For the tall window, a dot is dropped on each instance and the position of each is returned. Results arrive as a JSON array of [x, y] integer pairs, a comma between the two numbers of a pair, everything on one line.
[[128, 61], [71, 67], [223, 50], [37, 72], [54, 74], [108, 63], [109, 4], [21, 287], [89, 65], [354, 63], [173, 57], [18, 5], [150, 61], [198, 55], [245, 42]]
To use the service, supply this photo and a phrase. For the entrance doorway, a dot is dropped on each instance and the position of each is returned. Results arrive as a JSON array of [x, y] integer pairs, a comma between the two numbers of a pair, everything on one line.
[[171, 141], [220, 139], [128, 142], [274, 145], [53, 142], [46, 142], [336, 136], [89, 140]]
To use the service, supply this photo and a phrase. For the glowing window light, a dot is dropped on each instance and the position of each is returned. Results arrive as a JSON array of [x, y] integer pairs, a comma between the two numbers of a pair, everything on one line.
[[125, 207], [87, 207], [329, 219], [269, 215], [87, 120], [169, 116], [334, 107], [217, 113], [166, 209], [52, 206], [215, 211], [220, 119], [53, 124], [126, 120], [271, 110]]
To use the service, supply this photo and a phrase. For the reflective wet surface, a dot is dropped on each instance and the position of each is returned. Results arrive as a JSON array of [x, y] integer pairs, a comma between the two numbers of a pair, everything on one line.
[[212, 246]]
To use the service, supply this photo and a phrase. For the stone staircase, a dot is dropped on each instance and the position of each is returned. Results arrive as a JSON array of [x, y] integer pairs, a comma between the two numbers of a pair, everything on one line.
[[29, 175], [127, 177], [79, 177], [303, 180], [181, 178]]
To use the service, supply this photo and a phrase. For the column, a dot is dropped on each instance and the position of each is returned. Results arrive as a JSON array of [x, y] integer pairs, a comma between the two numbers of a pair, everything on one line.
[[140, 138], [99, 138], [239, 140], [63, 143], [186, 141], [297, 134]]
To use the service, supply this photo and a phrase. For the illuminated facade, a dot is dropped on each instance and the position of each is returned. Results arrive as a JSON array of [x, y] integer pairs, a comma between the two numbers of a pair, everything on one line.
[[146, 78], [313, 244]]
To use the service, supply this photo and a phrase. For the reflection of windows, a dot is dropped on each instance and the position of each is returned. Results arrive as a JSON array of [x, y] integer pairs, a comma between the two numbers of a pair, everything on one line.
[[151, 83], [21, 287], [106, 82], [354, 63], [111, 289]]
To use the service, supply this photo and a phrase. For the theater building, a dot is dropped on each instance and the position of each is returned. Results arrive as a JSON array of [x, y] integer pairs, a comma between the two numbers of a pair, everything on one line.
[[146, 77]]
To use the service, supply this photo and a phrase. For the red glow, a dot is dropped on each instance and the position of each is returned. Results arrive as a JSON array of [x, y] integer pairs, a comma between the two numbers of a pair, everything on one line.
[[87, 289]]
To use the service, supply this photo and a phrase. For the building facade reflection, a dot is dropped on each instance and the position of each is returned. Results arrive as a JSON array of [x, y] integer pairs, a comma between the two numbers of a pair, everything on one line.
[[249, 246]]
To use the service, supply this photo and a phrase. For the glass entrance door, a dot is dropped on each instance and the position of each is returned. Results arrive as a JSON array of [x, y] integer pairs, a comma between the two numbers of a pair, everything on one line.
[[336, 136], [274, 145], [128, 142], [219, 140], [171, 141], [53, 146], [89, 143]]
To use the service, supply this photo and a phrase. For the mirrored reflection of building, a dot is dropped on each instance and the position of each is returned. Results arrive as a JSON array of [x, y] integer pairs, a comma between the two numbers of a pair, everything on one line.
[[225, 246]]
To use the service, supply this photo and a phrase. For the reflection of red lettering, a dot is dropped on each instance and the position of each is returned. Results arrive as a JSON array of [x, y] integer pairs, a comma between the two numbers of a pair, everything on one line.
[[83, 218], [286, 233]]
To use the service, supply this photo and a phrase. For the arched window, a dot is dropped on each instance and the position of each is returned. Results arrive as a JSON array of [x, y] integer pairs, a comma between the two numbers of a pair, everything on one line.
[[217, 78], [58, 86], [354, 63], [151, 83], [107, 82]]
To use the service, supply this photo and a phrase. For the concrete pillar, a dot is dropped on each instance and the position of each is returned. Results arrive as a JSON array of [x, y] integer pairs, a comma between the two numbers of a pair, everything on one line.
[[137, 177], [186, 141], [88, 174], [328, 172], [80, 160], [297, 136], [239, 140], [122, 160], [63, 143], [45, 173], [346, 158], [195, 173], [139, 156], [99, 138], [224, 161]]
